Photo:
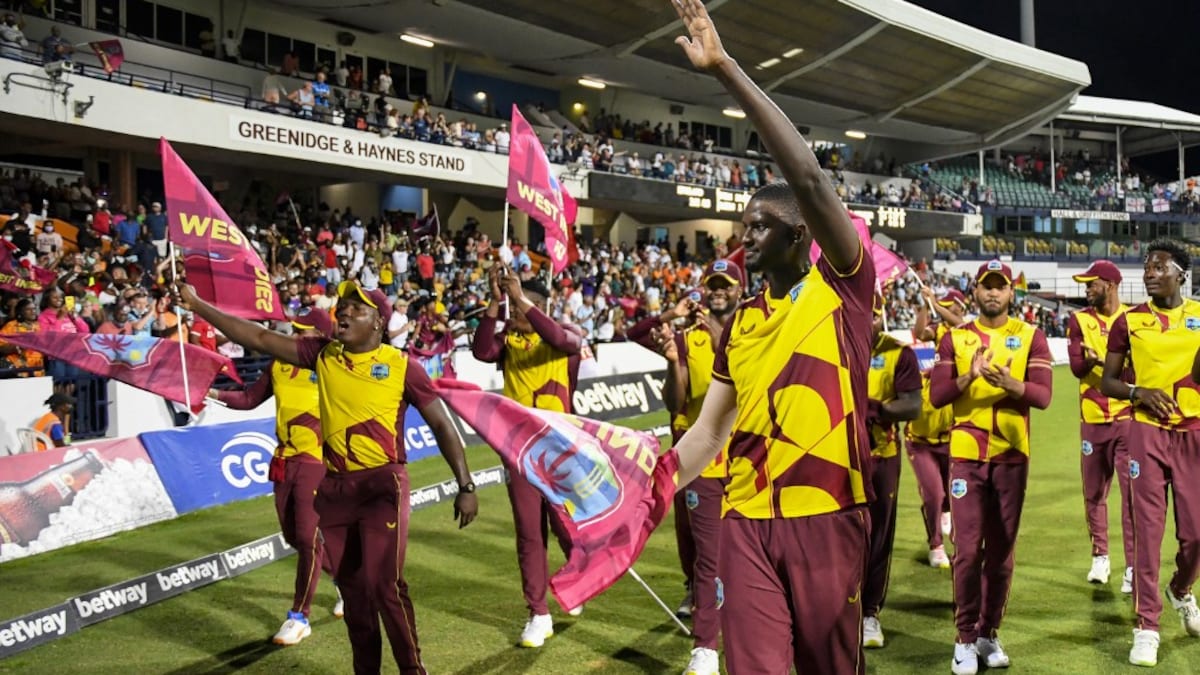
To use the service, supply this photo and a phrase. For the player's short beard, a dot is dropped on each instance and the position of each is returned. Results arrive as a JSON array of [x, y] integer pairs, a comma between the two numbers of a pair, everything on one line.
[[989, 314]]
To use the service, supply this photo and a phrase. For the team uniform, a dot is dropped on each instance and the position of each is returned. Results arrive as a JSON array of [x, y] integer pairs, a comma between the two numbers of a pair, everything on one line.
[[296, 469], [363, 501], [539, 372], [989, 463], [1161, 344], [927, 440], [795, 530], [1103, 430], [894, 370]]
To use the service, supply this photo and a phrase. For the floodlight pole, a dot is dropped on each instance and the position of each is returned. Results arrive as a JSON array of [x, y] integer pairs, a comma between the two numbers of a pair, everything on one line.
[[1027, 23]]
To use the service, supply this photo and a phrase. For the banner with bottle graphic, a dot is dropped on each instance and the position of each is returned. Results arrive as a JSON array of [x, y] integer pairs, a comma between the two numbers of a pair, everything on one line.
[[78, 493]]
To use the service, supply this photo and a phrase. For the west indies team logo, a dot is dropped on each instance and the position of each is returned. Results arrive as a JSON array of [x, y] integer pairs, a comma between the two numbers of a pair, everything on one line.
[[130, 350], [573, 472]]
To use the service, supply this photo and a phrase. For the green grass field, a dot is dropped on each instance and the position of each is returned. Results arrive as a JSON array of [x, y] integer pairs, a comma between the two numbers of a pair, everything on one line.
[[469, 608]]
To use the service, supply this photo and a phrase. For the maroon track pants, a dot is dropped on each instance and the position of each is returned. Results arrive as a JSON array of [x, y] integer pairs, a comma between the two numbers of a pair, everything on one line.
[[985, 505], [1159, 458], [1105, 452], [885, 477], [294, 498], [931, 468], [364, 519], [701, 501], [534, 519]]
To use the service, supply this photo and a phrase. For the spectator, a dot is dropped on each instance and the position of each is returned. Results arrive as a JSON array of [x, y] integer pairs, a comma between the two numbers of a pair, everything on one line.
[[231, 47], [12, 40], [304, 99], [156, 226], [399, 325], [342, 74], [54, 47], [51, 424], [116, 321], [49, 242], [25, 320], [383, 84], [291, 64], [502, 138]]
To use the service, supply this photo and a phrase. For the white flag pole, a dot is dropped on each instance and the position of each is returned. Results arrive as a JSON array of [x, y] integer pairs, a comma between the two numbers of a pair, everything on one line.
[[503, 243], [638, 578], [187, 392]]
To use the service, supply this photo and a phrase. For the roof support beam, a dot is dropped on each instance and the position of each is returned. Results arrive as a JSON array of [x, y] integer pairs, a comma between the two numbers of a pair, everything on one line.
[[936, 90], [828, 58], [1032, 118], [675, 26]]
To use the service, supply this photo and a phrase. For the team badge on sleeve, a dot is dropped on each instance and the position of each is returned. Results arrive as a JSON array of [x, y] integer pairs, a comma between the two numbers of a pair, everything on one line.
[[958, 488], [1135, 469], [1192, 323], [380, 371], [1087, 448], [877, 362]]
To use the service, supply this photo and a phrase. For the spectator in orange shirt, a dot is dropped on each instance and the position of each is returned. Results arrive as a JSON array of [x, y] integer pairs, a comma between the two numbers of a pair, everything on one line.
[[25, 321], [52, 424]]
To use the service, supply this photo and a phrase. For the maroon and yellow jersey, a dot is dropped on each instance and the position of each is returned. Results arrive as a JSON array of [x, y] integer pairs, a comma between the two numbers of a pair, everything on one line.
[[894, 370], [799, 445], [1161, 344], [933, 425], [696, 348], [540, 366], [1088, 328], [297, 408], [363, 400], [990, 425]]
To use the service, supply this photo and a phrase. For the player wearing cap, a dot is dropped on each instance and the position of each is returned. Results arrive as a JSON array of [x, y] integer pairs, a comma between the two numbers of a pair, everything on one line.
[[1157, 341], [927, 438], [296, 469], [690, 353], [540, 360], [992, 370], [894, 391], [364, 387], [1104, 421], [788, 401]]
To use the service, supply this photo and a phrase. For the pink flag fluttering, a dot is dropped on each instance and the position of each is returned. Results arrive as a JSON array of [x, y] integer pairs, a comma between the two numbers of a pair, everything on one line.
[[606, 483], [110, 53], [888, 266], [21, 276], [220, 262], [533, 188]]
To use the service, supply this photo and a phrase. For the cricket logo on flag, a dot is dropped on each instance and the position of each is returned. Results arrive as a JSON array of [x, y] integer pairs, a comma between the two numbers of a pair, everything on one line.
[[130, 350], [573, 473]]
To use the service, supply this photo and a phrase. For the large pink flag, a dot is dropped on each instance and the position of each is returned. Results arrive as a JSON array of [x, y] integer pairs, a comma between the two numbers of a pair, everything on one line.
[[888, 265], [604, 482], [220, 262], [533, 188], [20, 276]]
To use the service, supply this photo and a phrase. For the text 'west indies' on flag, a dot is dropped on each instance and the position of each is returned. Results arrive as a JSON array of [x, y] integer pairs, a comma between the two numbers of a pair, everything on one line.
[[533, 188], [142, 361], [605, 483], [220, 262], [21, 276]]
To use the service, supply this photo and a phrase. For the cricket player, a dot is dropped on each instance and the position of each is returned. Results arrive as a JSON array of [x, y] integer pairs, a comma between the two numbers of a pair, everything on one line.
[[1104, 421], [894, 391], [789, 396], [540, 360], [365, 386], [993, 370], [296, 469], [1158, 339]]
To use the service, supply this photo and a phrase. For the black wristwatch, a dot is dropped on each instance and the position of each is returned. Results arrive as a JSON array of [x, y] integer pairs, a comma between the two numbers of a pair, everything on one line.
[[469, 488]]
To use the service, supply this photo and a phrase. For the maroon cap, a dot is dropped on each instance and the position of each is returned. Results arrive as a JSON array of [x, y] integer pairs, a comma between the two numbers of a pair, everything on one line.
[[311, 318], [374, 298], [1102, 270], [952, 297], [724, 268], [994, 267]]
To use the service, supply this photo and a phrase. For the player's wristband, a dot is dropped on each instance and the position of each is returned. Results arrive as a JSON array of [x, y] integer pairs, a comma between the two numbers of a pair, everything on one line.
[[1132, 391]]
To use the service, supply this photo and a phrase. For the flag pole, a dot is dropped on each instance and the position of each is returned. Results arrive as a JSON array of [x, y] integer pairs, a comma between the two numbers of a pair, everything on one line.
[[637, 577], [187, 391], [503, 242]]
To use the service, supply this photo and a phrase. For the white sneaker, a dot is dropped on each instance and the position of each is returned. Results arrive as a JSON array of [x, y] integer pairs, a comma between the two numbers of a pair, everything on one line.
[[576, 611], [537, 629], [293, 630], [704, 662], [1127, 581], [1101, 570], [872, 633], [339, 607], [992, 653], [1189, 613], [966, 659], [938, 558], [1145, 648], [686, 605], [946, 523]]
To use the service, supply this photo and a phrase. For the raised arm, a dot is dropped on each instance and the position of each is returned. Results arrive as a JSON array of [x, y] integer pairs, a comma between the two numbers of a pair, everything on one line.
[[245, 333], [486, 345], [821, 208], [568, 342], [249, 398]]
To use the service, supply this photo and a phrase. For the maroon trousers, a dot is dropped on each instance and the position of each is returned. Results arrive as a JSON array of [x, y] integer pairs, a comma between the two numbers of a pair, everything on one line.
[[1159, 458], [792, 590], [702, 510], [532, 517], [931, 468], [885, 477], [684, 540], [294, 498], [985, 505], [1104, 452], [364, 519]]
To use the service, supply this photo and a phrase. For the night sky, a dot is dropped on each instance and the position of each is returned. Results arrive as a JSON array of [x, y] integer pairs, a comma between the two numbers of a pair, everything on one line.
[[1134, 50]]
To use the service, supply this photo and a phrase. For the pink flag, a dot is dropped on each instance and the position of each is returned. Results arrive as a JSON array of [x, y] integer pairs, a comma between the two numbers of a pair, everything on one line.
[[220, 262], [22, 277], [110, 53], [142, 361], [605, 483], [533, 188], [888, 265]]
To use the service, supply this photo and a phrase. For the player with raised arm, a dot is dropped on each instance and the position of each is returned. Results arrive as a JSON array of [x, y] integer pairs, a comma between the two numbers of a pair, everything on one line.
[[789, 396], [992, 370], [1157, 340], [1104, 421], [365, 387]]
